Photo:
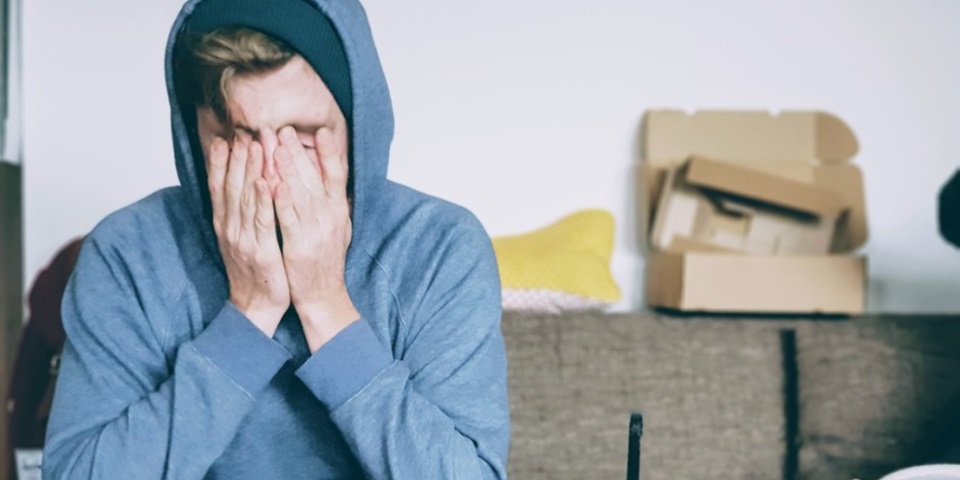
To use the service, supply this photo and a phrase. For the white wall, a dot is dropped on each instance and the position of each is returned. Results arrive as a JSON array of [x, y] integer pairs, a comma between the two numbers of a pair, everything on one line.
[[525, 111]]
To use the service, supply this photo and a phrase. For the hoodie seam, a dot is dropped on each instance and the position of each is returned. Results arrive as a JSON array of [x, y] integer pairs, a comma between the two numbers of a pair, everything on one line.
[[181, 293], [177, 299], [393, 293], [160, 333], [216, 368], [365, 387]]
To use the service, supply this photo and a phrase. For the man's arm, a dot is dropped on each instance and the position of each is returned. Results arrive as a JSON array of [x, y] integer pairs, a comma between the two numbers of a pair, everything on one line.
[[122, 409], [442, 411]]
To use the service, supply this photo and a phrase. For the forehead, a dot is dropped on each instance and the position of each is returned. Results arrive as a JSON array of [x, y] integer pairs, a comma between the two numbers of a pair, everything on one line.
[[291, 95]]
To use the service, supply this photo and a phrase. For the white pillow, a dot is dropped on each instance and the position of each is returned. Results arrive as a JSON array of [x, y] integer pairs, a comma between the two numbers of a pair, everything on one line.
[[926, 472], [548, 301]]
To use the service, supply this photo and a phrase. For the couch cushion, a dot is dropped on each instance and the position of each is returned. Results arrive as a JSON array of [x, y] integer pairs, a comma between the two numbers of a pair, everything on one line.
[[876, 394], [710, 392]]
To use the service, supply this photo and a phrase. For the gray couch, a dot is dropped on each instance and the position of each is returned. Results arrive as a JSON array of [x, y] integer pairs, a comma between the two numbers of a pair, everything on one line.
[[731, 398]]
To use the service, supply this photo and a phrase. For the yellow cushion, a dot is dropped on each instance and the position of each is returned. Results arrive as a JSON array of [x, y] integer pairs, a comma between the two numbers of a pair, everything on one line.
[[571, 256]]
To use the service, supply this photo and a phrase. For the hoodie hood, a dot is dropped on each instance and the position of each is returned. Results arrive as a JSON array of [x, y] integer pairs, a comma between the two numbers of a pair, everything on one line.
[[334, 37]]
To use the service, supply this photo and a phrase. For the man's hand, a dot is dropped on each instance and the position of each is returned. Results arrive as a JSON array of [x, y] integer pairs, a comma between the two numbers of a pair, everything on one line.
[[246, 231], [314, 216]]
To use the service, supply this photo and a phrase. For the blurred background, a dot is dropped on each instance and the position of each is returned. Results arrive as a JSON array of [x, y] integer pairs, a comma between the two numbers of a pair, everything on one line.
[[526, 111], [522, 111]]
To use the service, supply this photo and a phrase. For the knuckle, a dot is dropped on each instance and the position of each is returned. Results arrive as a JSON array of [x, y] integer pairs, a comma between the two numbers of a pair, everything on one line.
[[231, 231], [261, 223], [336, 176], [249, 252]]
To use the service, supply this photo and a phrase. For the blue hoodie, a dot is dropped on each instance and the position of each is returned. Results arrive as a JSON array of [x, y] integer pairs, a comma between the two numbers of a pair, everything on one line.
[[162, 377]]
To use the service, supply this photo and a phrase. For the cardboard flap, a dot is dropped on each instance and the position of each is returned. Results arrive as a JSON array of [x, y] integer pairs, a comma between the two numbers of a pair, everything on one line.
[[847, 181], [670, 136], [775, 190], [835, 141]]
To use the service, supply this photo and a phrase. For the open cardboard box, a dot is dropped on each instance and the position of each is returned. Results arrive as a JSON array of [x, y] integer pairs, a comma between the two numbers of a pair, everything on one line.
[[788, 173], [715, 205]]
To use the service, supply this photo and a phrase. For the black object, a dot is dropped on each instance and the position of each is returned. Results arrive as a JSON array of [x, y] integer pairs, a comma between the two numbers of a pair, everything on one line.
[[948, 205], [633, 446], [791, 404]]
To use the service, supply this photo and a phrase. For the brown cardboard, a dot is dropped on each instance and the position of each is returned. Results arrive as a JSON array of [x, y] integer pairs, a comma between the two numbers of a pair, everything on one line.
[[717, 282], [797, 144], [681, 244], [806, 156], [751, 183], [728, 207], [673, 135]]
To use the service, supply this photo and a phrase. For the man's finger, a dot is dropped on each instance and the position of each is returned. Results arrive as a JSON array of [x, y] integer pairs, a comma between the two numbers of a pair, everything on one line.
[[236, 173], [270, 173], [264, 223], [216, 172], [333, 163], [308, 170], [255, 162], [291, 180], [286, 213], [248, 196]]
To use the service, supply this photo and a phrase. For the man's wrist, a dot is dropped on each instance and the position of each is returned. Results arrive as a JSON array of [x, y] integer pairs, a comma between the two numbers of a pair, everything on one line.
[[324, 320], [264, 318]]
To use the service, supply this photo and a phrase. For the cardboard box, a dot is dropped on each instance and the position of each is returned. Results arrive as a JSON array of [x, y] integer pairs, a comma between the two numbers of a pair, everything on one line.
[[726, 206], [783, 284], [752, 198]]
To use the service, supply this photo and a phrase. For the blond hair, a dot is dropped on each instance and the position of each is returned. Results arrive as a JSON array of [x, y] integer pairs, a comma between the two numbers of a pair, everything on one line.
[[206, 64]]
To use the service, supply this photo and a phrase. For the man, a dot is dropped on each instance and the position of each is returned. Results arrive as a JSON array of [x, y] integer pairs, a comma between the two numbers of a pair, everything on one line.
[[286, 312]]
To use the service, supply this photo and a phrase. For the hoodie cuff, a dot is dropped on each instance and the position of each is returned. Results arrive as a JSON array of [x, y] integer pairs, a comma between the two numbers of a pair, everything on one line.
[[345, 364], [241, 350]]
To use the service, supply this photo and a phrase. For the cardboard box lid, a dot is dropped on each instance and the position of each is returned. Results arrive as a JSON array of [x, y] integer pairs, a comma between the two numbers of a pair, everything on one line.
[[670, 136], [757, 185], [802, 145]]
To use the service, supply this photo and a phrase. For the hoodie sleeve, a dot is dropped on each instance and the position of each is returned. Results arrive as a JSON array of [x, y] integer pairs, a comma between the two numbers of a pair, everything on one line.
[[123, 408], [442, 410]]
